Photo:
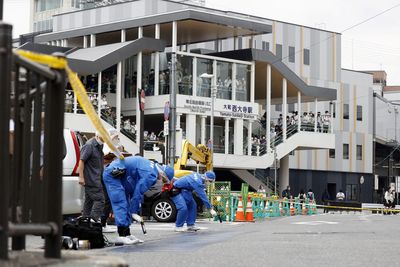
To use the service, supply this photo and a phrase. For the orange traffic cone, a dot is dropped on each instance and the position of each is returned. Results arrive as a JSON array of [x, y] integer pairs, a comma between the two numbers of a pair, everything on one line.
[[239, 213], [291, 208], [303, 209], [249, 211]]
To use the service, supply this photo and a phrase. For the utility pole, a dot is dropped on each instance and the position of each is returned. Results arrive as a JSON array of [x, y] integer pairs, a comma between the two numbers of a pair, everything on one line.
[[275, 170]]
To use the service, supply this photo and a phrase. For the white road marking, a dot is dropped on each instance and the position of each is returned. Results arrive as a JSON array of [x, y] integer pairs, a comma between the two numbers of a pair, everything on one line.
[[315, 223]]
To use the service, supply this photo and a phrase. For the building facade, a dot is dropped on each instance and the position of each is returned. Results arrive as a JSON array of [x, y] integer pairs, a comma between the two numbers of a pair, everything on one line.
[[241, 66]]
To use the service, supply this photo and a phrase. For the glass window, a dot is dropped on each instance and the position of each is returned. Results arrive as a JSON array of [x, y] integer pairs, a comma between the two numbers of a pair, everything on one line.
[[184, 70], [240, 43], [278, 107], [242, 82], [165, 58], [265, 46], [306, 56], [359, 113], [334, 109], [346, 111], [148, 74], [278, 52], [345, 151], [351, 192], [43, 5], [224, 80], [130, 79], [204, 84], [291, 107], [359, 152], [291, 54], [332, 153]]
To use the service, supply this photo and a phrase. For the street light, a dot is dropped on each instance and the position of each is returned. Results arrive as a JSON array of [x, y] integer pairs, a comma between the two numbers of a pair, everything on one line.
[[211, 76]]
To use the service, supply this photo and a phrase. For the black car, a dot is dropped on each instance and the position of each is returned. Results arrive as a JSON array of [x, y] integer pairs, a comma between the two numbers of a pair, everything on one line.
[[158, 205]]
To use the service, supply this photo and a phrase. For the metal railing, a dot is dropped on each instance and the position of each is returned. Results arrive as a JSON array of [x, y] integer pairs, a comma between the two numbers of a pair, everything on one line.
[[32, 121]]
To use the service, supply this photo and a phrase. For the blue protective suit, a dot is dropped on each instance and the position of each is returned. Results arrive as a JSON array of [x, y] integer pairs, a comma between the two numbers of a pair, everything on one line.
[[184, 202], [126, 192]]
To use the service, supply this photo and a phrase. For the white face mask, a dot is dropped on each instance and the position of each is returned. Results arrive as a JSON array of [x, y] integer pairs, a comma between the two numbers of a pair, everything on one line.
[[115, 142]]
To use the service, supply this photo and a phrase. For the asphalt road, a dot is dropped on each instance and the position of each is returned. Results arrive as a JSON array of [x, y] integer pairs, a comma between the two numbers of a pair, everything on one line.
[[319, 240]]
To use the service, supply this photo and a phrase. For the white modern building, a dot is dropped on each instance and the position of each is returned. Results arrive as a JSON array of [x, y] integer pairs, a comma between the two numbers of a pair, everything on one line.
[[244, 67]]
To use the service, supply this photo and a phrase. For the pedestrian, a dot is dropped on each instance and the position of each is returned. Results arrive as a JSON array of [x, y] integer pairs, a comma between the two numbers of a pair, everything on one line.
[[325, 200], [301, 196], [182, 196], [90, 172], [389, 200], [340, 196], [286, 193], [310, 195], [126, 182]]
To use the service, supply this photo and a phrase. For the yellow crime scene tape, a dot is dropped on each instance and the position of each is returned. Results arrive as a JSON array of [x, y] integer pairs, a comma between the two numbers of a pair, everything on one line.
[[79, 91]]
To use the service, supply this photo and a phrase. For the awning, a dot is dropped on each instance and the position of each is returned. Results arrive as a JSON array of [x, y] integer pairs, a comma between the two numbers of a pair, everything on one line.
[[279, 71], [92, 60], [46, 49]]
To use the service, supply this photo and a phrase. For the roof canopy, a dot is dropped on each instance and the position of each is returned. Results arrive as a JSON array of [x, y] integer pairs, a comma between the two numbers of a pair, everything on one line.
[[96, 59], [279, 71]]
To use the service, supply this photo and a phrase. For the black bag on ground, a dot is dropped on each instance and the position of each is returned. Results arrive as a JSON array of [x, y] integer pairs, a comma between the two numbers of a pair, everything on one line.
[[85, 228]]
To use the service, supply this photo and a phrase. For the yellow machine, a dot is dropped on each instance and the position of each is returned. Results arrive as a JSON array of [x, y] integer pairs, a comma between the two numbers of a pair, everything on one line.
[[200, 154]]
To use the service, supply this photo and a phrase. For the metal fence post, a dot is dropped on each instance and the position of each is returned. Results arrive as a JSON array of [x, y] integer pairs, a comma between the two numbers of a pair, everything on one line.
[[5, 70], [53, 151]]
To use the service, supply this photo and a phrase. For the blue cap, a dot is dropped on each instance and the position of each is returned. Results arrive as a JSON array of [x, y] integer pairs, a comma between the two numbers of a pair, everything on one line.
[[209, 175]]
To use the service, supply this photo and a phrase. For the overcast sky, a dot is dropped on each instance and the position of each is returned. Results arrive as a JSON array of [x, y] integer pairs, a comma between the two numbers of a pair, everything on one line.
[[372, 45]]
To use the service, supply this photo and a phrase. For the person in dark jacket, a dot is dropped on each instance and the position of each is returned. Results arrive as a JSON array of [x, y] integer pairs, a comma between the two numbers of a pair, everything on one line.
[[325, 200]]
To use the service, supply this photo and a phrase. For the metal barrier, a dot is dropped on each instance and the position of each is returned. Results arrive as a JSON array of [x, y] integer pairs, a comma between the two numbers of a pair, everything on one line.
[[32, 105]]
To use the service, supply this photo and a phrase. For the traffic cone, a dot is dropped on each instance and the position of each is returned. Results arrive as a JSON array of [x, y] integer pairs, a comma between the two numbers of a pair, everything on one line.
[[303, 209], [249, 211], [291, 208], [239, 213], [280, 209]]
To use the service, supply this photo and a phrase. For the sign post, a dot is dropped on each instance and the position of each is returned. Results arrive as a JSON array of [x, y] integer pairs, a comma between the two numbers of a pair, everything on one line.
[[142, 99]]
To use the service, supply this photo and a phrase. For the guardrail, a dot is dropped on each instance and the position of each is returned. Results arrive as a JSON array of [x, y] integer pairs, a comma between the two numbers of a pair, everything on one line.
[[32, 121]]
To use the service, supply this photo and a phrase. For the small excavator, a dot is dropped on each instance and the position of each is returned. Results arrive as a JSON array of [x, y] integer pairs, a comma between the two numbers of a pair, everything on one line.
[[201, 154]]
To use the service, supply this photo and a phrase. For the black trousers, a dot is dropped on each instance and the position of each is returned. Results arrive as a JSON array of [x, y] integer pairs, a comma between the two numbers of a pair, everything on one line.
[[107, 206]]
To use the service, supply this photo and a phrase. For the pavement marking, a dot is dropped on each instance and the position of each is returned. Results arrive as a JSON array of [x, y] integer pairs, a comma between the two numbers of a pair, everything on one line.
[[314, 223]]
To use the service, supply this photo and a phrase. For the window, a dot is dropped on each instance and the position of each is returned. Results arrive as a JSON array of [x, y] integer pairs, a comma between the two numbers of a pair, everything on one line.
[[278, 52], [332, 153], [265, 46], [43, 5], [345, 151], [291, 107], [278, 107], [291, 54], [359, 152], [334, 110], [346, 111], [240, 43], [351, 192], [306, 56], [359, 113]]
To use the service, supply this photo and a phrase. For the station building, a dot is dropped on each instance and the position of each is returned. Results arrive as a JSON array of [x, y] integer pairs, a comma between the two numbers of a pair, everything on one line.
[[253, 71]]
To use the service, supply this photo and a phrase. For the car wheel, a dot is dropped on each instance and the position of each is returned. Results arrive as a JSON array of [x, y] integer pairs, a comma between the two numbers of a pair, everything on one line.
[[163, 210]]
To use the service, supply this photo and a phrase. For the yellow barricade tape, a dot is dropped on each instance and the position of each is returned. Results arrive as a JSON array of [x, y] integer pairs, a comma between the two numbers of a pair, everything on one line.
[[79, 91]]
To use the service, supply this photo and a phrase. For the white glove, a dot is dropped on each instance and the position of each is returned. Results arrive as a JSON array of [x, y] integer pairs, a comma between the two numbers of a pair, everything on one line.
[[213, 212], [137, 218]]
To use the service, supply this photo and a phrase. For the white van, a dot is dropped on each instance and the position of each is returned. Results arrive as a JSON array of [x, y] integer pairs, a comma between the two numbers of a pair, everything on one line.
[[72, 192]]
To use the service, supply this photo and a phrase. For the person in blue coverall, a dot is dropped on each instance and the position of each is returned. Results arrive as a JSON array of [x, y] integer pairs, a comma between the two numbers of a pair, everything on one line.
[[184, 202], [126, 182]]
